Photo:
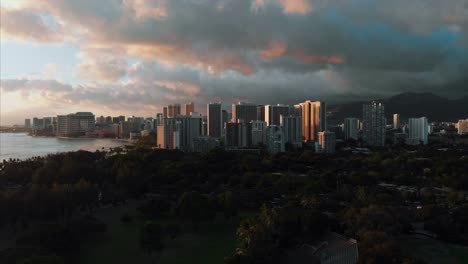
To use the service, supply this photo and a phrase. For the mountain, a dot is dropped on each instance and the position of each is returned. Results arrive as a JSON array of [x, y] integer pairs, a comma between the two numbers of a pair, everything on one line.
[[434, 107]]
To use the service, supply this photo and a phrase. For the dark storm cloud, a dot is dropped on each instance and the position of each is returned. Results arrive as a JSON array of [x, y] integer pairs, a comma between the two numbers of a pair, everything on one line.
[[266, 50]]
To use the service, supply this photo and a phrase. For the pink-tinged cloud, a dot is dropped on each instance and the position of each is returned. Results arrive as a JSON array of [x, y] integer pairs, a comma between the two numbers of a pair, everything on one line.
[[274, 50], [27, 25], [101, 67], [301, 7], [142, 9], [212, 61], [315, 59]]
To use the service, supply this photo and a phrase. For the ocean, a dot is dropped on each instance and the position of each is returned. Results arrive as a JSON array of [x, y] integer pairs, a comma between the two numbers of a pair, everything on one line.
[[22, 146]]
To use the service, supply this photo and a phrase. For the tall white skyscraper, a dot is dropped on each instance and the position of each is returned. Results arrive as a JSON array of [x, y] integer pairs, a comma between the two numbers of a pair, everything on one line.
[[273, 113], [314, 119], [418, 130], [292, 129], [373, 123], [396, 121], [351, 128], [214, 120], [244, 111]]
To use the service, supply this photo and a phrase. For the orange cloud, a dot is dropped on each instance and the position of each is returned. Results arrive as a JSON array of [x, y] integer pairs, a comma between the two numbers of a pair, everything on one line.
[[213, 62], [301, 7], [313, 59], [274, 50]]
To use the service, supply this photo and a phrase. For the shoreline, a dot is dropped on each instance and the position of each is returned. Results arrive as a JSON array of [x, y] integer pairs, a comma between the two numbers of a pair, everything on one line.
[[21, 146]]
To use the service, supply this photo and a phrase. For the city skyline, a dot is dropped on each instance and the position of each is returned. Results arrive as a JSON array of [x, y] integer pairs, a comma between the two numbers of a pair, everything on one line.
[[134, 56]]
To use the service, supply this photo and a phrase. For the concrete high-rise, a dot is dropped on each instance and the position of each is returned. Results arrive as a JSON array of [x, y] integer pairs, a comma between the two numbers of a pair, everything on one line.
[[238, 135], [314, 119], [189, 108], [373, 123], [27, 123], [297, 110], [165, 112], [173, 110], [273, 113], [351, 128], [214, 120], [292, 130], [275, 139], [261, 112], [258, 132], [77, 124], [396, 121], [244, 111], [179, 132], [418, 131], [326, 142], [159, 119], [463, 127]]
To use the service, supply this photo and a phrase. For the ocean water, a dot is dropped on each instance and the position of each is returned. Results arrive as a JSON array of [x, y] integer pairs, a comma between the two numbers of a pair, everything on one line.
[[22, 146]]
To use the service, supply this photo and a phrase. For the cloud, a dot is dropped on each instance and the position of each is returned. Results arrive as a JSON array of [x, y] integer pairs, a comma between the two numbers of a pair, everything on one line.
[[101, 67], [27, 25], [143, 53]]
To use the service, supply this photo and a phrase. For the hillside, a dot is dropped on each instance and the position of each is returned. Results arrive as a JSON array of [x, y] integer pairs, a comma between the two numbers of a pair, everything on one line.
[[434, 107]]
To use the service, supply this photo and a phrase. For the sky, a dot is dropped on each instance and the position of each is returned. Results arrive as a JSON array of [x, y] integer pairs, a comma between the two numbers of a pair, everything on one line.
[[132, 57]]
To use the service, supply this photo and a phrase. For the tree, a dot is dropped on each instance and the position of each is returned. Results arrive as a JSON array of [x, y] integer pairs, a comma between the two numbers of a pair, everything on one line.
[[228, 204], [151, 237], [376, 247], [194, 206]]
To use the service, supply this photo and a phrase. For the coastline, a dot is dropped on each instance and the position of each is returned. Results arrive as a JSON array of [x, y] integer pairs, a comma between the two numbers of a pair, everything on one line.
[[23, 146]]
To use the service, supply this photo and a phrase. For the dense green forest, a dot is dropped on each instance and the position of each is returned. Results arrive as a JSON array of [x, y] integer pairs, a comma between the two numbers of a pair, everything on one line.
[[290, 198]]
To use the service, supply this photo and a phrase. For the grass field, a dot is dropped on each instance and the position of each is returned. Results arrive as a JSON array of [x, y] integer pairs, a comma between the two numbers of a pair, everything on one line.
[[209, 244], [433, 251]]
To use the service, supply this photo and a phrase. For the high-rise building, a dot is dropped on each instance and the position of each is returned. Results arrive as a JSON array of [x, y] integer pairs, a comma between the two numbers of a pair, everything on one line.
[[258, 132], [417, 130], [27, 123], [275, 139], [100, 120], [238, 135], [292, 130], [173, 110], [396, 121], [273, 113], [224, 119], [373, 123], [326, 142], [297, 110], [202, 144], [245, 112], [351, 128], [165, 112], [179, 132], [189, 108], [118, 119], [159, 119], [214, 120], [75, 124], [463, 127], [261, 112], [314, 119], [38, 124]]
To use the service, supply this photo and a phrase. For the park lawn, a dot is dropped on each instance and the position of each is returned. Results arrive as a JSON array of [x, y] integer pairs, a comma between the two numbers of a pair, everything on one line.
[[434, 251], [209, 243]]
